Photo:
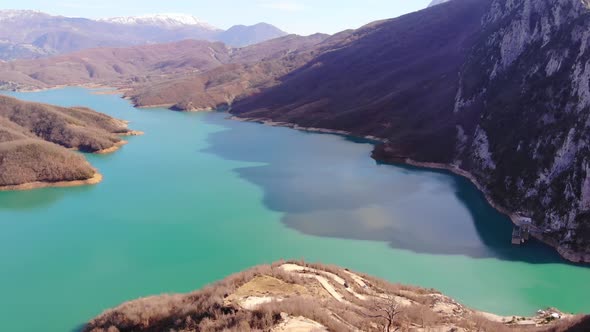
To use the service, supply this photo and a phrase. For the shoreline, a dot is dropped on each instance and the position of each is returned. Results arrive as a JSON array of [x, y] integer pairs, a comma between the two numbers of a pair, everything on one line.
[[113, 148], [62, 86], [306, 129], [566, 254], [95, 179], [121, 143]]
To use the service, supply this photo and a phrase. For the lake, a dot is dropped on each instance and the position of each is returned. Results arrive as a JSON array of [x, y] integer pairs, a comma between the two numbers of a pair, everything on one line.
[[199, 197]]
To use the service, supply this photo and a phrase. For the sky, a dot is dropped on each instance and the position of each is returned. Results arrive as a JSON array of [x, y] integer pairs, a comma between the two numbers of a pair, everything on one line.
[[294, 16]]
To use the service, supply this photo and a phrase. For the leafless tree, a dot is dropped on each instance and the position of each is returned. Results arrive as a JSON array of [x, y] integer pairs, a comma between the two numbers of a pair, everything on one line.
[[384, 309]]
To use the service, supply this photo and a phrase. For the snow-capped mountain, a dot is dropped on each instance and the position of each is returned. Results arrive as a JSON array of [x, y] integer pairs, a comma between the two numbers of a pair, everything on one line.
[[9, 14], [163, 20], [30, 34]]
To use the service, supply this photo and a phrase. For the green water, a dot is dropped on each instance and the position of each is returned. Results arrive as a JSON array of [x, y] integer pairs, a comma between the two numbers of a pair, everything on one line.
[[199, 197]]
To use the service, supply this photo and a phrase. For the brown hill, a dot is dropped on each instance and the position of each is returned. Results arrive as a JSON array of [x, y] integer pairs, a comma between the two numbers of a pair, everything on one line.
[[250, 70], [142, 66], [34, 142], [311, 297], [115, 65]]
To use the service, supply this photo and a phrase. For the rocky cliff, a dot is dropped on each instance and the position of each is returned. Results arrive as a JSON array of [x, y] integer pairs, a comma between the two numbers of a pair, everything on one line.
[[526, 86], [496, 90]]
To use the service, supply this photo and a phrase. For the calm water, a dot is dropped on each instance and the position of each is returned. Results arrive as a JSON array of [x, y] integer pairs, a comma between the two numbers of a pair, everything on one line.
[[200, 197]]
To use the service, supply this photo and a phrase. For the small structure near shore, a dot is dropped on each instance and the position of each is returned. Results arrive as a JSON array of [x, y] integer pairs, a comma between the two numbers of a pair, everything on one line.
[[522, 231], [519, 235]]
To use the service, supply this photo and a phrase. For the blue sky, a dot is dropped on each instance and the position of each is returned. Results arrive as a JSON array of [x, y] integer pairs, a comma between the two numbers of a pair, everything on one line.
[[295, 16]]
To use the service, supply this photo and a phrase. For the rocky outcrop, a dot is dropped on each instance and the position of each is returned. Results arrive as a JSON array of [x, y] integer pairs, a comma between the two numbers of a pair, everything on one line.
[[527, 82]]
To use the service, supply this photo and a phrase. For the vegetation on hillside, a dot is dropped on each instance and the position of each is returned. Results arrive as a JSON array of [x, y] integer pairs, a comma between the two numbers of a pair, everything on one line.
[[35, 138], [288, 296]]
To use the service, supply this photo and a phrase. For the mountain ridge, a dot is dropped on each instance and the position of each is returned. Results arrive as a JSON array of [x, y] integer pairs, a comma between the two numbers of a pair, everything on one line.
[[28, 34]]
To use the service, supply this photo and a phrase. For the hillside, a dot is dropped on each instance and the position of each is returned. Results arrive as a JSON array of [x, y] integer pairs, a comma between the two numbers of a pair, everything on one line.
[[148, 65], [250, 70], [26, 34], [115, 65], [35, 140], [296, 296], [489, 89]]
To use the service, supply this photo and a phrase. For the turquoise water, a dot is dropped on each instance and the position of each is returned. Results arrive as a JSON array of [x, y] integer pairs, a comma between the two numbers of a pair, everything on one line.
[[199, 197]]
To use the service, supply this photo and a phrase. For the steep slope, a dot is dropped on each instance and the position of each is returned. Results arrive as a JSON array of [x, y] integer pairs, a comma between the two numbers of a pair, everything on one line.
[[250, 70], [35, 138], [242, 35], [29, 34], [302, 297], [395, 79], [527, 83], [515, 119]]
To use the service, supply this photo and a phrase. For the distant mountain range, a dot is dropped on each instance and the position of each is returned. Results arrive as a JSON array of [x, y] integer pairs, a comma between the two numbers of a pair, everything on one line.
[[26, 34]]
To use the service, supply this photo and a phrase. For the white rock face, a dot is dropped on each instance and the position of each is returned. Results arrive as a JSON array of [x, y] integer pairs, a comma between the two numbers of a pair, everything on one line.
[[165, 20]]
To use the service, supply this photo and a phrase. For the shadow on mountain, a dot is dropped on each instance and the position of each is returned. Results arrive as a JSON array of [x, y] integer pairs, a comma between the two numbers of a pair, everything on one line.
[[329, 186]]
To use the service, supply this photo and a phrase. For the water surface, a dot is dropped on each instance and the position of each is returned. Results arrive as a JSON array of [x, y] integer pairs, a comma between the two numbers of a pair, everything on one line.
[[200, 197]]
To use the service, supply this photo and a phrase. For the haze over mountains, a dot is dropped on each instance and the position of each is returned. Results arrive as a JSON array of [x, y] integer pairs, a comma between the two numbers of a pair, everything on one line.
[[26, 34]]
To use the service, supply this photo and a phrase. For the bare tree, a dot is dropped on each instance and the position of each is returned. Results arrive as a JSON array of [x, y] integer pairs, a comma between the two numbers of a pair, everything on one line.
[[384, 309]]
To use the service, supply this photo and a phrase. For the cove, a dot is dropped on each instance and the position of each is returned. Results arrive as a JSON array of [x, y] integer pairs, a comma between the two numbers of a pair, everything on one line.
[[199, 197]]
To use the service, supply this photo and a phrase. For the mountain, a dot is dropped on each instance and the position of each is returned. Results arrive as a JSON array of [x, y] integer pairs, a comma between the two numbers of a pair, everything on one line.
[[296, 296], [35, 140], [183, 73], [116, 65], [28, 34], [437, 2], [162, 20], [241, 35], [251, 70], [494, 90]]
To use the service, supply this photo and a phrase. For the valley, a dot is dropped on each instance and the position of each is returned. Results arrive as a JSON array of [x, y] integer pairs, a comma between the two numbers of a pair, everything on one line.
[[411, 148]]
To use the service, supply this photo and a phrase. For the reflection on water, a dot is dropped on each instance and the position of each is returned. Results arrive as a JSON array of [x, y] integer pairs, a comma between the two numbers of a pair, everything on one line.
[[327, 188], [27, 200]]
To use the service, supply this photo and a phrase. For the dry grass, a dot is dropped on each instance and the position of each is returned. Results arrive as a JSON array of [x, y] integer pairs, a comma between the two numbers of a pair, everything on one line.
[[216, 307], [31, 135]]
